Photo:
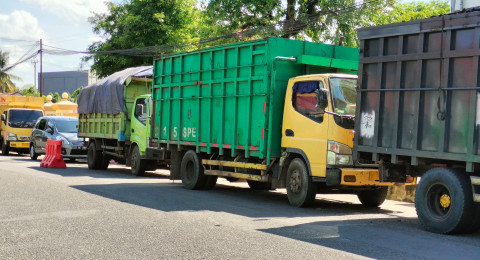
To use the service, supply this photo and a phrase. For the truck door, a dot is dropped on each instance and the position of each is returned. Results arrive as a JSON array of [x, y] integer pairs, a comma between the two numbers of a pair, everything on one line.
[[139, 124], [305, 126]]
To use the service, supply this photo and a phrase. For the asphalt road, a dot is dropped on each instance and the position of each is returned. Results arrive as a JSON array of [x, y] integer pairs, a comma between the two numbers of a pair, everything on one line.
[[76, 213]]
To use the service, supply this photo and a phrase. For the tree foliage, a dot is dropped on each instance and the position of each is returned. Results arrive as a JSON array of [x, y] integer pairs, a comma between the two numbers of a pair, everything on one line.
[[136, 24], [29, 90], [6, 84], [320, 20], [403, 12]]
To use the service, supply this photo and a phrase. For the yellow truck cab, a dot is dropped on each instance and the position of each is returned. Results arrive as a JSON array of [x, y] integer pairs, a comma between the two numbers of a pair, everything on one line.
[[318, 124], [18, 116]]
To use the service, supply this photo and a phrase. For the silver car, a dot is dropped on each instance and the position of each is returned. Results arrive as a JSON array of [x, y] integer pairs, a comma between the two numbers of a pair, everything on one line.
[[57, 128]]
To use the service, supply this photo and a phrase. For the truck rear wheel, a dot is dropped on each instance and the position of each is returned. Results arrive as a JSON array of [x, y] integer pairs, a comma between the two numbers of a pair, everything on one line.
[[444, 201], [94, 157], [192, 171], [210, 182], [300, 188], [373, 198], [138, 165]]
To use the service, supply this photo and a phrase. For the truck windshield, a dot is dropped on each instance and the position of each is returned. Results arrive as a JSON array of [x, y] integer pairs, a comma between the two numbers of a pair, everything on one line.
[[344, 94], [67, 126], [19, 118]]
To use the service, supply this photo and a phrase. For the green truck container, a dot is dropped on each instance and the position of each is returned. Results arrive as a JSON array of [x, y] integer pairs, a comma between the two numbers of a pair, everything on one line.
[[230, 98]]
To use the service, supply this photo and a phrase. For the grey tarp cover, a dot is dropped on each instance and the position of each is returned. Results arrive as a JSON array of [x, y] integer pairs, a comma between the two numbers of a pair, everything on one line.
[[106, 95]]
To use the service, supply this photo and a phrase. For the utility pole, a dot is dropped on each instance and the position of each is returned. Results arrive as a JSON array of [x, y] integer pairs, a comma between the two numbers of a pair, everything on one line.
[[41, 71], [35, 75]]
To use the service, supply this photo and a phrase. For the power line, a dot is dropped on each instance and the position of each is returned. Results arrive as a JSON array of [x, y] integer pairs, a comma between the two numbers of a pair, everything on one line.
[[287, 27]]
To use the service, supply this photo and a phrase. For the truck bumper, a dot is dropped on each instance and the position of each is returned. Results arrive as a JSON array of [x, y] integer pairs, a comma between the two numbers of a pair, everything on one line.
[[358, 177], [20, 145]]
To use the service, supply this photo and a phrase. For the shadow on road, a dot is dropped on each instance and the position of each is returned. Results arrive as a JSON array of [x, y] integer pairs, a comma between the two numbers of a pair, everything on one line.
[[386, 238]]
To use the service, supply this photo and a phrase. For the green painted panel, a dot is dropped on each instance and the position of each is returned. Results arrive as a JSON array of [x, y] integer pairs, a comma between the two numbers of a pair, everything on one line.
[[232, 96]]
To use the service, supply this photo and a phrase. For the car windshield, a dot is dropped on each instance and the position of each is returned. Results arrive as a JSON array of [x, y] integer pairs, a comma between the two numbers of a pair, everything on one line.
[[66, 126], [344, 95], [19, 118]]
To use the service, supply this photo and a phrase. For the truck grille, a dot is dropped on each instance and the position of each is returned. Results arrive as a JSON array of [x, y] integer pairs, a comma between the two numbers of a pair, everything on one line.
[[24, 137]]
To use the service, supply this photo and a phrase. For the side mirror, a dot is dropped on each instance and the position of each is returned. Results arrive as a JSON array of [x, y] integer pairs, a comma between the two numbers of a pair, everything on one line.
[[4, 119], [49, 130], [138, 110], [322, 100]]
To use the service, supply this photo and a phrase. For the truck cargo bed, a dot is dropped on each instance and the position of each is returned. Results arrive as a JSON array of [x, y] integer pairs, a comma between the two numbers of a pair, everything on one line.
[[419, 96], [232, 96]]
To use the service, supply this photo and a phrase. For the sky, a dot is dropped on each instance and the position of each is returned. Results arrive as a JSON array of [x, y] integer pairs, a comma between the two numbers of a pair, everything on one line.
[[59, 23]]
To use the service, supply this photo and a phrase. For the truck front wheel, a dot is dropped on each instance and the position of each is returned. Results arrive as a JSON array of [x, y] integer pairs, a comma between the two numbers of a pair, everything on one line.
[[138, 165], [300, 188], [191, 170], [444, 201], [373, 198]]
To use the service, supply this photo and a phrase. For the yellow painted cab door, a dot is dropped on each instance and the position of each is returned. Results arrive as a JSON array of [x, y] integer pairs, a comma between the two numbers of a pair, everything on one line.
[[305, 125]]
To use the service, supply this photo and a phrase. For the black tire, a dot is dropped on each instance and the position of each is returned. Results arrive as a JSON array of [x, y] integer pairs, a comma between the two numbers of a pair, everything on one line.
[[138, 165], [94, 157], [300, 188], [191, 170], [210, 182], [104, 162], [258, 185], [33, 154], [373, 198], [5, 148], [444, 201]]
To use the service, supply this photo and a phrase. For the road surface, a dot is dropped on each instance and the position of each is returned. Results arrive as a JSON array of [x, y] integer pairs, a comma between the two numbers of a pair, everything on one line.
[[75, 213]]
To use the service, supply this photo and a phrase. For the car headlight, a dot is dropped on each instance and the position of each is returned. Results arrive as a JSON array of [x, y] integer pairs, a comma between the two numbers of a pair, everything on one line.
[[339, 154], [63, 139], [11, 137]]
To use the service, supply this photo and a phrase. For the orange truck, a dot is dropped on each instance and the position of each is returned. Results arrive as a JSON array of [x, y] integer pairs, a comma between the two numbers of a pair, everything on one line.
[[18, 116]]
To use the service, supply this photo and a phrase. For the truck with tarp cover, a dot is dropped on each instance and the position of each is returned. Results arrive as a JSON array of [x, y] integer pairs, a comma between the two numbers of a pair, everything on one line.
[[113, 118], [18, 117], [418, 114], [274, 112]]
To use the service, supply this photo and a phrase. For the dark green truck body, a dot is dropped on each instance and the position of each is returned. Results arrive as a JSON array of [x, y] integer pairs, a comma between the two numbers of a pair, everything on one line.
[[231, 97]]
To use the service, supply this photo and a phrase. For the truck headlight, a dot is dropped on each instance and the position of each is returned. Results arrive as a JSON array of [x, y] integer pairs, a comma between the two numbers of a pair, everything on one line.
[[11, 137], [63, 139], [339, 154]]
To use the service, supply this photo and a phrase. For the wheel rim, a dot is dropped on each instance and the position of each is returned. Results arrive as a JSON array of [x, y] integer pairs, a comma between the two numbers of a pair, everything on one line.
[[189, 170], [32, 151], [295, 181], [439, 200]]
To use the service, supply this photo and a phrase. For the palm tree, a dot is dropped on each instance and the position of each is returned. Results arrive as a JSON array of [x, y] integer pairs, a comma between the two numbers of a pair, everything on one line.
[[6, 84]]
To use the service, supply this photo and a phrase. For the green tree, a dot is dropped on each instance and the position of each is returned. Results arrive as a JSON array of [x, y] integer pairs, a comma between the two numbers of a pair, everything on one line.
[[6, 84], [403, 12], [29, 90], [55, 97], [320, 20], [74, 96], [137, 24]]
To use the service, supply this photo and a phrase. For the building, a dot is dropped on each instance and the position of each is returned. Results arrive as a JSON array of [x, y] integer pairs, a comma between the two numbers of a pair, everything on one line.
[[66, 81]]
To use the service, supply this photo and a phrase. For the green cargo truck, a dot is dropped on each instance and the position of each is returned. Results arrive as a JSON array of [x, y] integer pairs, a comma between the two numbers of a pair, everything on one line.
[[275, 112], [113, 116]]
